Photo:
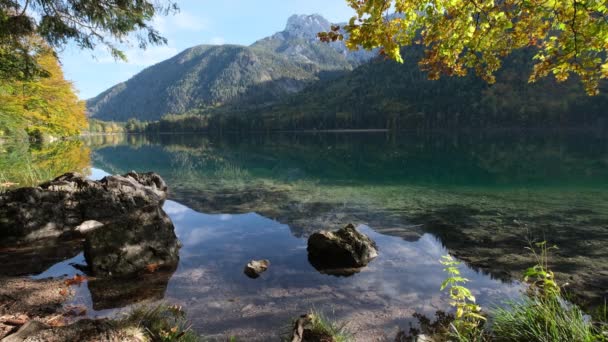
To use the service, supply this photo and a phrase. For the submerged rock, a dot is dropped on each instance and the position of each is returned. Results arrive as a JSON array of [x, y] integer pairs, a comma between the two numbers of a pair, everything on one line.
[[256, 267], [57, 207], [345, 248]]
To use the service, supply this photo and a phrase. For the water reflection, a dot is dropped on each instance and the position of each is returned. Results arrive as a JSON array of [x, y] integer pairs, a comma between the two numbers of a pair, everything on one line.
[[222, 301], [485, 195], [110, 293], [479, 198], [103, 296], [211, 285], [23, 164]]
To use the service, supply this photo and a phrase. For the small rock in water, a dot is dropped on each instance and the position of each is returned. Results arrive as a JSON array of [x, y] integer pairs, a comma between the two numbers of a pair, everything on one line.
[[255, 267], [343, 248]]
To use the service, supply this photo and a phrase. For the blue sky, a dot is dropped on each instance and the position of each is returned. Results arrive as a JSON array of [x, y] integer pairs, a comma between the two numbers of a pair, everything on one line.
[[199, 22]]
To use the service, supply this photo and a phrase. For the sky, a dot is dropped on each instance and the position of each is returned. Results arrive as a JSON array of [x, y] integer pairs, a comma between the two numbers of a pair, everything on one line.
[[198, 22]]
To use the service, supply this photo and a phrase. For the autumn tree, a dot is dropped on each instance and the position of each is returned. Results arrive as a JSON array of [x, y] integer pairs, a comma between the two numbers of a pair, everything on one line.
[[42, 106], [88, 23], [569, 37]]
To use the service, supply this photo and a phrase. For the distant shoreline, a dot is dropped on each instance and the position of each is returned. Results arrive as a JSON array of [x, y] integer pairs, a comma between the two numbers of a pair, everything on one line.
[[467, 130], [353, 130]]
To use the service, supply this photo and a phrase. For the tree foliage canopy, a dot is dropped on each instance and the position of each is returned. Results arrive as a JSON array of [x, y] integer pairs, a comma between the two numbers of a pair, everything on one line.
[[88, 23], [41, 106], [568, 36]]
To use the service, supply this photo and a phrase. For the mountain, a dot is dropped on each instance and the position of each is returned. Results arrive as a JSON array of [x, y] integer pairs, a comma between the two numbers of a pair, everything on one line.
[[299, 42], [211, 76], [387, 95]]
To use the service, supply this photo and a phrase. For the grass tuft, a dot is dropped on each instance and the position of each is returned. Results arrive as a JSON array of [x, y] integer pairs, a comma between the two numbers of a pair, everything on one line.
[[161, 323], [321, 325], [542, 319], [318, 328]]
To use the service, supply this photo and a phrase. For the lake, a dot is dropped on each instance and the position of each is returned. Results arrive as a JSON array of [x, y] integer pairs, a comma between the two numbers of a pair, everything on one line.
[[481, 197]]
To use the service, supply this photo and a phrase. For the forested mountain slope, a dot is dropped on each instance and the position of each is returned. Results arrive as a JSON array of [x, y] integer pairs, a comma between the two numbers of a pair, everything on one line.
[[210, 76], [386, 94], [290, 80]]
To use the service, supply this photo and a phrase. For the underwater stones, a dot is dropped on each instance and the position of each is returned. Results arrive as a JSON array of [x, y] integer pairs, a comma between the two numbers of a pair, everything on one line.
[[255, 267], [57, 207], [340, 252]]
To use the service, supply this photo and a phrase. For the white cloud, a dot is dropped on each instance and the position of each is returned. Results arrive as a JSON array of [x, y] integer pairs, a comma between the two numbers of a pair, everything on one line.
[[182, 21], [174, 208], [217, 41], [225, 217]]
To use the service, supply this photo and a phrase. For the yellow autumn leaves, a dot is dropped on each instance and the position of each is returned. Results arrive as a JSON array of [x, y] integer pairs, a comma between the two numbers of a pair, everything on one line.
[[44, 105], [567, 37]]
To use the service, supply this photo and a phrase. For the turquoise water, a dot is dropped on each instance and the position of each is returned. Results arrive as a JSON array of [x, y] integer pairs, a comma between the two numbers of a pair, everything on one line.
[[480, 197]]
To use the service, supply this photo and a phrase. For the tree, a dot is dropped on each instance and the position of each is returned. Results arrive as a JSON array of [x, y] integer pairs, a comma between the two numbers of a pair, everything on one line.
[[567, 36], [88, 23], [46, 106]]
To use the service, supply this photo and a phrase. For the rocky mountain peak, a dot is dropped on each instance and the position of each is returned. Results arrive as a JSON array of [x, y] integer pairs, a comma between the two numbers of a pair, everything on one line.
[[306, 26]]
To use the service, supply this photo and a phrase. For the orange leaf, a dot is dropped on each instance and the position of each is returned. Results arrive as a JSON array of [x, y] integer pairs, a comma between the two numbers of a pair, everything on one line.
[[77, 280], [152, 267]]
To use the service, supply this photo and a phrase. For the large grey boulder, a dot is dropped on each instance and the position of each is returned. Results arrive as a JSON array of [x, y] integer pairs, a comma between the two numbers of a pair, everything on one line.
[[57, 207], [138, 242], [345, 248], [120, 219]]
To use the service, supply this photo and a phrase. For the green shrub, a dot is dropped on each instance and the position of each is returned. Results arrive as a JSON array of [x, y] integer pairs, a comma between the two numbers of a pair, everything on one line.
[[468, 320]]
